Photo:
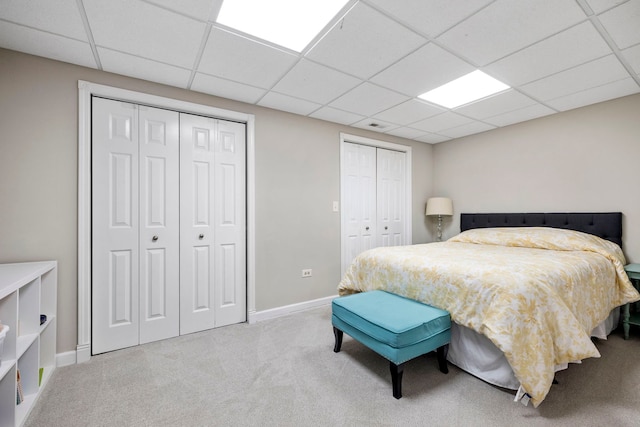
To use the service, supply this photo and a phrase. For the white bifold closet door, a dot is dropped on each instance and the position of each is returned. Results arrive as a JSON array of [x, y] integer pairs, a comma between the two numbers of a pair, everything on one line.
[[168, 234], [359, 187], [390, 197], [374, 199], [135, 224], [212, 209]]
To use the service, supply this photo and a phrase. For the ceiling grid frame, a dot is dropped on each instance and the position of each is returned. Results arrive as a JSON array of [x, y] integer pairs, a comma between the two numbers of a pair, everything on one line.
[[35, 27]]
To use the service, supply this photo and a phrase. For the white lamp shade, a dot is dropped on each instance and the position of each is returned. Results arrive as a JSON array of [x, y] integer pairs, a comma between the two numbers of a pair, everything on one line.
[[439, 206]]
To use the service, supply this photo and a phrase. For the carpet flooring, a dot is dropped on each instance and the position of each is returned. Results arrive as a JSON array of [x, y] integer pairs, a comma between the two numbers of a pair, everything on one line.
[[283, 372]]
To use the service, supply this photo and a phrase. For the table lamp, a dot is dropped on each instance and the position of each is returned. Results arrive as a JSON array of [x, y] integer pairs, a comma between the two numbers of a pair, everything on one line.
[[439, 206]]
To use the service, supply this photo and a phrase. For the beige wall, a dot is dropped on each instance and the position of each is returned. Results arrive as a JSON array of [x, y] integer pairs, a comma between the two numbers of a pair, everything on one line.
[[586, 159], [297, 178], [581, 160]]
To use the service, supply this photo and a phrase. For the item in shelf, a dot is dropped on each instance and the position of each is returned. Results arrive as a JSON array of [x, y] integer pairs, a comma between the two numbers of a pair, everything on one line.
[[43, 318], [19, 393], [3, 333]]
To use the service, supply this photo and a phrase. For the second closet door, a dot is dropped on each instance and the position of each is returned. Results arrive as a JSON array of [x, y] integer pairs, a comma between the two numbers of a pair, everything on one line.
[[374, 199], [390, 197]]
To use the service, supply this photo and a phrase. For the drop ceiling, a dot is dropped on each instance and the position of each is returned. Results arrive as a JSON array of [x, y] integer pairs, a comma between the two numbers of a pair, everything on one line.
[[370, 63]]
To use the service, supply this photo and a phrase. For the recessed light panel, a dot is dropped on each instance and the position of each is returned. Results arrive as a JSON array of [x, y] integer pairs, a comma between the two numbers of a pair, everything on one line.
[[471, 87], [288, 23]]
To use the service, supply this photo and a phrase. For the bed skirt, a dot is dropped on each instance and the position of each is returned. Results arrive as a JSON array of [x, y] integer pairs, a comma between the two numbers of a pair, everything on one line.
[[477, 355]]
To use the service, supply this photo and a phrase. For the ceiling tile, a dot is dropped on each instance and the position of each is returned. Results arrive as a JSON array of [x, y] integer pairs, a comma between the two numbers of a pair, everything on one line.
[[468, 129], [202, 10], [597, 94], [288, 103], [440, 122], [431, 138], [134, 66], [586, 76], [567, 49], [368, 99], [405, 132], [34, 42], [240, 59], [226, 88], [425, 69], [632, 55], [60, 17], [430, 17], [145, 30], [520, 115], [599, 6], [623, 23], [506, 26], [314, 82], [501, 103], [409, 112], [334, 115], [364, 42]]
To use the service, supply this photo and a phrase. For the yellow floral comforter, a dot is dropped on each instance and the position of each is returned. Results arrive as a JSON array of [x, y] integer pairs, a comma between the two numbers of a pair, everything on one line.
[[535, 292]]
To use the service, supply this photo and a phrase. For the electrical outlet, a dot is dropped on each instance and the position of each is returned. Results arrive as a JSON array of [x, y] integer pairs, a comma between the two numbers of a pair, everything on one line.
[[307, 272]]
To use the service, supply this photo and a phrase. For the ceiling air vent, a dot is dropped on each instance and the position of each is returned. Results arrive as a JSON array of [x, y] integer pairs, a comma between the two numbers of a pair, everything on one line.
[[377, 125]]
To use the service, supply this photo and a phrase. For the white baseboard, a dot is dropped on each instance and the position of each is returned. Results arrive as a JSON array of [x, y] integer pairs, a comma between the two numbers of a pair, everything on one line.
[[83, 352], [272, 313], [66, 359]]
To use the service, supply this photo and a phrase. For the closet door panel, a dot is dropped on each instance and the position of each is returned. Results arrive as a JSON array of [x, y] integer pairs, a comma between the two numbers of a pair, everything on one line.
[[201, 279], [230, 224], [197, 265], [121, 288], [390, 197], [359, 200], [159, 224], [115, 226]]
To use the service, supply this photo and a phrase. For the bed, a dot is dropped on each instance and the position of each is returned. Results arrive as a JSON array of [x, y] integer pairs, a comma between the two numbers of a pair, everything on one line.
[[525, 291]]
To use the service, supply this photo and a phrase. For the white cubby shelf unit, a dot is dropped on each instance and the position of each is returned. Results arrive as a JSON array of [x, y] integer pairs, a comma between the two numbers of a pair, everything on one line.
[[27, 290]]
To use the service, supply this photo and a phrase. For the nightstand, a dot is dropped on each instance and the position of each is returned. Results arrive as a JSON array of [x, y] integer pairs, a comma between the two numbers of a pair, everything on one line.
[[633, 271]]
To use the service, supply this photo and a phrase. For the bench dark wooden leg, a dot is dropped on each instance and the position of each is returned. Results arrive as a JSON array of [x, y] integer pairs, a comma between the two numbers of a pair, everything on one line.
[[442, 358], [396, 378], [338, 334]]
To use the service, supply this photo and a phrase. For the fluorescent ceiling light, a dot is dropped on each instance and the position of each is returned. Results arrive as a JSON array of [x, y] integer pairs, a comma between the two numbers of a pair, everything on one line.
[[289, 23], [473, 86]]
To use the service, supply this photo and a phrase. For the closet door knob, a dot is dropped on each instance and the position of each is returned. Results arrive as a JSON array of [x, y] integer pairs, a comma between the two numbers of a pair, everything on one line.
[[386, 228], [201, 236], [366, 228], [154, 238]]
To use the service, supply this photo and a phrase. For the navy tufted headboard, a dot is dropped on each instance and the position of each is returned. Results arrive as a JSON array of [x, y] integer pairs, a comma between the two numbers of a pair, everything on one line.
[[607, 225]]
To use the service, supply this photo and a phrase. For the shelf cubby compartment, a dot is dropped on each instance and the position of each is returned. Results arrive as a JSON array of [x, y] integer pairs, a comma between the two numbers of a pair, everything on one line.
[[28, 367], [48, 295], [48, 349], [29, 308]]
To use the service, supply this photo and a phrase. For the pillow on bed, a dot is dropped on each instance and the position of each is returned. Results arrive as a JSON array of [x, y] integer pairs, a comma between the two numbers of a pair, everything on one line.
[[543, 238]]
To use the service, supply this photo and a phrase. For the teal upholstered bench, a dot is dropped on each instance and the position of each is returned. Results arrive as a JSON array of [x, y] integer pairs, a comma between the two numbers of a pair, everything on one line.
[[395, 327]]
